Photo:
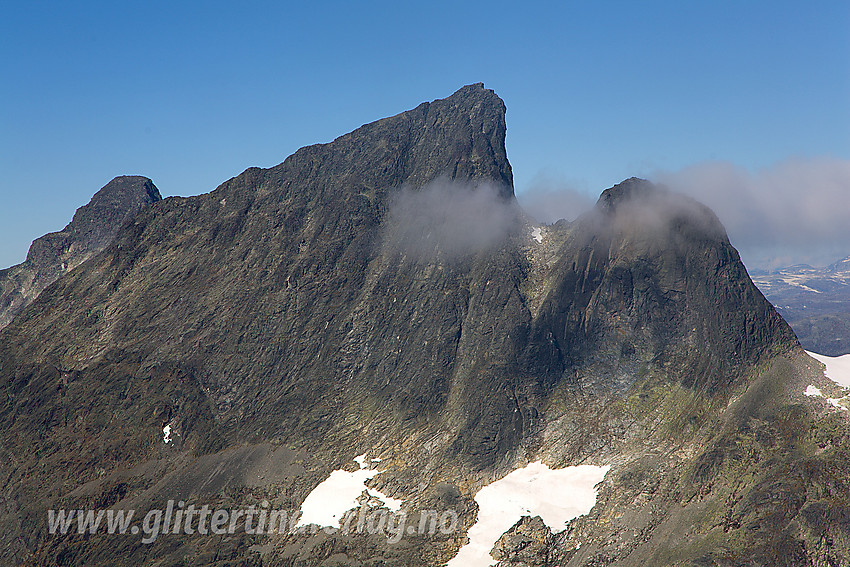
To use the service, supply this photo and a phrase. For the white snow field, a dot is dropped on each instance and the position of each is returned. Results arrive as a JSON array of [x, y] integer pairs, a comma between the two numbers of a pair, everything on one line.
[[837, 370], [326, 505], [557, 496], [837, 367], [537, 234]]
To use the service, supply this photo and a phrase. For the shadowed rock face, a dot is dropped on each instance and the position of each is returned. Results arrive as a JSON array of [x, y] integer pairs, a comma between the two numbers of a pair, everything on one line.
[[92, 228], [282, 314], [652, 271]]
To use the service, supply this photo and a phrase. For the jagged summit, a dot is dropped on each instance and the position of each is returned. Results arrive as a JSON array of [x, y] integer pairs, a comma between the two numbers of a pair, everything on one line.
[[95, 224], [459, 137], [640, 207], [122, 196], [631, 189], [93, 227]]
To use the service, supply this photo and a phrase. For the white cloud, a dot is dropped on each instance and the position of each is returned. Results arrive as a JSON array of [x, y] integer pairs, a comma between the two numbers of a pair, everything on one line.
[[448, 217], [794, 211]]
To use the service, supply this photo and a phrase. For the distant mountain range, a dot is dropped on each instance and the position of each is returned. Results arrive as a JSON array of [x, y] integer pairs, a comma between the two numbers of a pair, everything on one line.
[[814, 301]]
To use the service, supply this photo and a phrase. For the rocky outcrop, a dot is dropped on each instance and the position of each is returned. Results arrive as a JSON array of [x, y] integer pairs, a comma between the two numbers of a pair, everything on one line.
[[92, 228], [527, 544], [652, 271]]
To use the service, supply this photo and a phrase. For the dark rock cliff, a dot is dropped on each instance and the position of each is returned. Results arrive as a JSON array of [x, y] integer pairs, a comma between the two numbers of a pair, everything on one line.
[[92, 228], [308, 311], [653, 271]]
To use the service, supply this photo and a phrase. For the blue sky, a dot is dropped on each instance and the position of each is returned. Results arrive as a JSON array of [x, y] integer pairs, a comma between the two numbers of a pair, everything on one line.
[[191, 94]]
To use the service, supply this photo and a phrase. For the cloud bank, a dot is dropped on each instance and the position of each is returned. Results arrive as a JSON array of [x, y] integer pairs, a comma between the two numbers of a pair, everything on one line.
[[449, 219], [795, 211]]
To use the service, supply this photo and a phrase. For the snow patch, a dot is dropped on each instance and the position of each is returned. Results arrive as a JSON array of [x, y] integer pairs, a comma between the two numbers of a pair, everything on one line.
[[166, 434], [837, 367], [815, 392], [327, 504], [812, 392], [797, 282], [537, 234], [557, 496], [837, 370], [807, 288]]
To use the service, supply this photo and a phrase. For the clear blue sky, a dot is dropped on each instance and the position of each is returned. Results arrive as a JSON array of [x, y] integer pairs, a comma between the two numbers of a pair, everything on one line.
[[190, 94]]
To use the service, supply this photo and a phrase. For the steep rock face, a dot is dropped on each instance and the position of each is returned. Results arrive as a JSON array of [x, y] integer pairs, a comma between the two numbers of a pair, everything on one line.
[[284, 323], [657, 269], [271, 309], [92, 228], [277, 295]]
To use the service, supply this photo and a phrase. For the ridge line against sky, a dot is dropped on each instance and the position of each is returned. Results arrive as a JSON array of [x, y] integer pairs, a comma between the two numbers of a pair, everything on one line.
[[192, 94]]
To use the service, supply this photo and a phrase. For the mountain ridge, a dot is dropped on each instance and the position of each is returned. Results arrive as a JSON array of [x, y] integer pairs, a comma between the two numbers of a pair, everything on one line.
[[271, 326]]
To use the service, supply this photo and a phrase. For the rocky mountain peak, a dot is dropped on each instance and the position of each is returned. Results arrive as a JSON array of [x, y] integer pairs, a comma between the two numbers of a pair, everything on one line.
[[458, 137], [122, 197], [247, 342], [636, 208], [628, 191], [93, 227]]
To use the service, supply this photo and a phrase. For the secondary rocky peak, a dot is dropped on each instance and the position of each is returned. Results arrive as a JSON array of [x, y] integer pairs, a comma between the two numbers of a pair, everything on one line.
[[95, 224], [630, 190], [93, 227], [637, 208], [125, 192]]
